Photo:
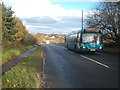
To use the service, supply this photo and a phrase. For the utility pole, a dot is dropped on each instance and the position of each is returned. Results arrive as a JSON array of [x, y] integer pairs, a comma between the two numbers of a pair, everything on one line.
[[82, 19]]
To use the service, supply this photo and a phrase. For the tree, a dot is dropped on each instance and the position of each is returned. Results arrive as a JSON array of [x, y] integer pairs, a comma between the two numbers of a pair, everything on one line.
[[0, 24], [107, 17], [22, 32], [29, 40], [8, 24]]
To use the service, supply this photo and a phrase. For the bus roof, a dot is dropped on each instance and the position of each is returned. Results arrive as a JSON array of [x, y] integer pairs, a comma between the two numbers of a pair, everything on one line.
[[82, 30]]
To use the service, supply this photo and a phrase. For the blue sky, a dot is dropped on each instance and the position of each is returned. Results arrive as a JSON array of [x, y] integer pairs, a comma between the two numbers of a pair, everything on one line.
[[77, 5], [48, 16]]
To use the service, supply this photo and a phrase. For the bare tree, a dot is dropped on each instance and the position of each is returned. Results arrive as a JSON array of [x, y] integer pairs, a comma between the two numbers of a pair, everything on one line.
[[107, 17]]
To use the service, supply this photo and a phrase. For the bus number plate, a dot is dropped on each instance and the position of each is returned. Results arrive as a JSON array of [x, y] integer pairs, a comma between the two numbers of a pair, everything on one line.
[[92, 49]]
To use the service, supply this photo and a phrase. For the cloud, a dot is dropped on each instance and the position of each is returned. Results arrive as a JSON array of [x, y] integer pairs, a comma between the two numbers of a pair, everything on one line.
[[30, 8], [43, 16], [60, 21], [39, 27], [53, 30], [49, 24], [40, 20]]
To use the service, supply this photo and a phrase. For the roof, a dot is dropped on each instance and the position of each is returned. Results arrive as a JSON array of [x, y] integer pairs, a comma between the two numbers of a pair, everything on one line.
[[82, 30]]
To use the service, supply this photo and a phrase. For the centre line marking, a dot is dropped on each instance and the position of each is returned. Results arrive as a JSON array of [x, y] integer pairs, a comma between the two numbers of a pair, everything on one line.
[[95, 61]]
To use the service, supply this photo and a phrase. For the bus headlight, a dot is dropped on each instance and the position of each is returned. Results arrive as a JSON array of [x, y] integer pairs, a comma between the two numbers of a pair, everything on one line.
[[83, 47], [100, 47]]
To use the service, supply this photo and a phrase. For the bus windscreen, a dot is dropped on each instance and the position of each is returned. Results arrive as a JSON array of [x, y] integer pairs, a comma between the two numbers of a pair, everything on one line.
[[91, 38]]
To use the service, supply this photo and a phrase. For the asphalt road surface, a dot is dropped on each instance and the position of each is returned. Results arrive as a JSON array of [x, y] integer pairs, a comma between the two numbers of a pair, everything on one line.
[[67, 69]]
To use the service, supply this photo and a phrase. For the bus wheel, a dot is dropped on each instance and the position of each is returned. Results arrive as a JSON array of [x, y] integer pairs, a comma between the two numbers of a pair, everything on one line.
[[67, 47]]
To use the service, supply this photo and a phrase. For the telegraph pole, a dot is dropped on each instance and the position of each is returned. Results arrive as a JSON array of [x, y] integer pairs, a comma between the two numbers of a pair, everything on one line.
[[82, 19]]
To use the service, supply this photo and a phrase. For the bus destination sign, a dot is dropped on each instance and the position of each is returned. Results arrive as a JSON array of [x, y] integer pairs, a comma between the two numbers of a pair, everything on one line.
[[89, 30]]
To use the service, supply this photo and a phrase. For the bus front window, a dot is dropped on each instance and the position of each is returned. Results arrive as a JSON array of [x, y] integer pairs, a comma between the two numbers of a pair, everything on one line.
[[91, 38]]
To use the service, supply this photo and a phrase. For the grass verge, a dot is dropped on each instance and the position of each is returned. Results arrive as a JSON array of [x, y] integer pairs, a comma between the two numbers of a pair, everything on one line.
[[61, 44], [11, 53], [27, 73], [111, 50]]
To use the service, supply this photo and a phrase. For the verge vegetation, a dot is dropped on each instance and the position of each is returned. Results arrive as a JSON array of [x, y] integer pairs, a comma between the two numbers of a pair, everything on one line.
[[27, 73], [13, 52], [15, 36], [111, 47]]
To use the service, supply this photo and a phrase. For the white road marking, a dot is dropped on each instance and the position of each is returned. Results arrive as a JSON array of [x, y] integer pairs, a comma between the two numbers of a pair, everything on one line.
[[95, 61]]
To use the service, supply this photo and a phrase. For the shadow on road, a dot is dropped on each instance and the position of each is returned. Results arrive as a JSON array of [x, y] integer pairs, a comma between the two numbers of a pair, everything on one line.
[[84, 53]]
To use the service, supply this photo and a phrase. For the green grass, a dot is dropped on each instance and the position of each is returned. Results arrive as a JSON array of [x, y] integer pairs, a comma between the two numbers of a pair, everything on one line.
[[27, 73], [11, 53], [0, 83], [61, 44], [111, 50]]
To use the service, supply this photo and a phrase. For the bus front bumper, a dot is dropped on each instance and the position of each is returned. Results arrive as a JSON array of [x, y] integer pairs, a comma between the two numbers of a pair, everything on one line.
[[90, 50]]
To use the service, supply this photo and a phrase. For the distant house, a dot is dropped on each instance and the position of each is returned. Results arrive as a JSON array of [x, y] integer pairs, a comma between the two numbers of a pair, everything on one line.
[[53, 37], [46, 36]]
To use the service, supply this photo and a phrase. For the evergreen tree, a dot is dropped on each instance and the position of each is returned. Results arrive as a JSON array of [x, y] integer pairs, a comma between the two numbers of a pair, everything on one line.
[[8, 24]]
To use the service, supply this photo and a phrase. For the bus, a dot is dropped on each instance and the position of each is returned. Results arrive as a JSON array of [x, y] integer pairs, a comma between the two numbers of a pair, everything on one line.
[[85, 40]]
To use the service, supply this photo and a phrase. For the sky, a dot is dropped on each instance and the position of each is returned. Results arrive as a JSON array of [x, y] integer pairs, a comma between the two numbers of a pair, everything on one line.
[[50, 16]]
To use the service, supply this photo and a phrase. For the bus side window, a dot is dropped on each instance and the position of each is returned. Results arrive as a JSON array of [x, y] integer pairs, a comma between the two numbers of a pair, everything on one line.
[[79, 34]]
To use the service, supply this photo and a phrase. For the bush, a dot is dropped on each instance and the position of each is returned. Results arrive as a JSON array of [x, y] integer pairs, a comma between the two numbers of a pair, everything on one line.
[[29, 40], [111, 45]]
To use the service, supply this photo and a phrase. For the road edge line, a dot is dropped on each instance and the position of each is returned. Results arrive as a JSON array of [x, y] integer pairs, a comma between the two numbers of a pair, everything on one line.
[[95, 61]]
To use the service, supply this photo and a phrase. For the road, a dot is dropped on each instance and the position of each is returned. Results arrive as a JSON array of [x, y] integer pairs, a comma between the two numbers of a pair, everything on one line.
[[67, 69]]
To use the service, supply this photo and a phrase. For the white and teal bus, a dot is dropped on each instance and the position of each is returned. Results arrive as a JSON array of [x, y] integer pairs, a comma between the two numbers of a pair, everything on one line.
[[87, 39]]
